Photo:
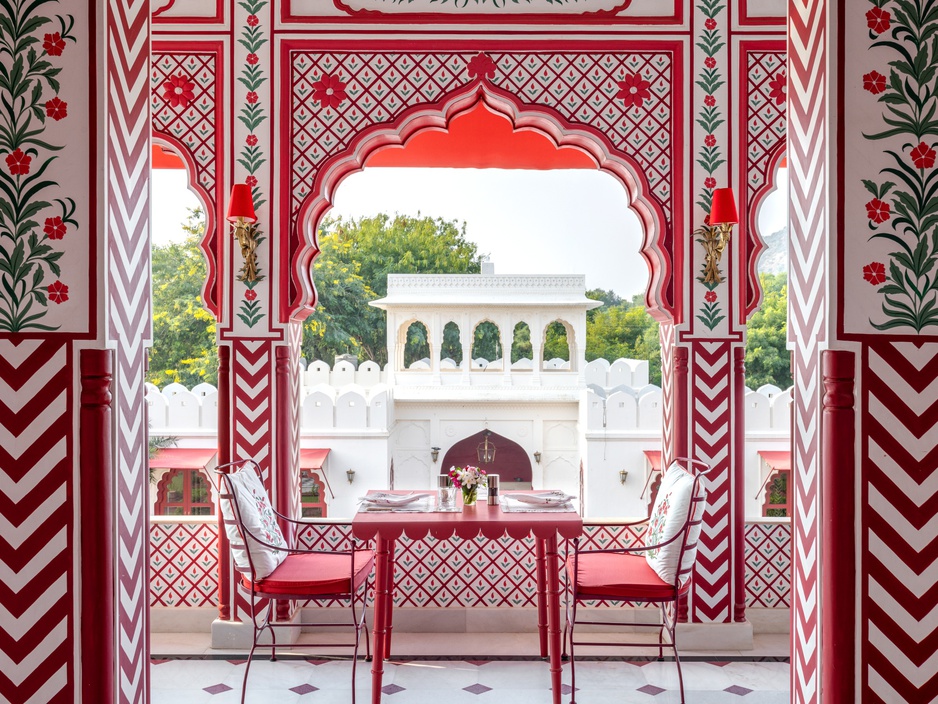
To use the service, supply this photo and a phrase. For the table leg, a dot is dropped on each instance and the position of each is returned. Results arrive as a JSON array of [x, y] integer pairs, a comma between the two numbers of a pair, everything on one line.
[[384, 553], [389, 625], [541, 596], [553, 614]]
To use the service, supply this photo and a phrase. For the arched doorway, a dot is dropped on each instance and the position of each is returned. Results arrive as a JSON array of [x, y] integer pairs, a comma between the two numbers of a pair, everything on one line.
[[510, 462]]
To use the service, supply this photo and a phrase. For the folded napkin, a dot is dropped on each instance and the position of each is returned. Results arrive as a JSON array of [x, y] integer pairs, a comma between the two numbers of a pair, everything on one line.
[[382, 499], [543, 498]]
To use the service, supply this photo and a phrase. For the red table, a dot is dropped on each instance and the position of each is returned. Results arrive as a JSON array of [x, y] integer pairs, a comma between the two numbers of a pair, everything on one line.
[[386, 527]]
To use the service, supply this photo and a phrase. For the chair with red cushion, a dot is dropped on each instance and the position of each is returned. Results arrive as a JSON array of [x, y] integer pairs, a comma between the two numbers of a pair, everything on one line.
[[657, 572], [272, 569]]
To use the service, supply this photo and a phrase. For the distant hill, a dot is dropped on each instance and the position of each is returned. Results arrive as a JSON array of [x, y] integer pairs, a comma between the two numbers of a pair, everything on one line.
[[774, 259]]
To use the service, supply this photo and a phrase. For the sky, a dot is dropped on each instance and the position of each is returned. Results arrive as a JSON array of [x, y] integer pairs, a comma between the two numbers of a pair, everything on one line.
[[529, 222]]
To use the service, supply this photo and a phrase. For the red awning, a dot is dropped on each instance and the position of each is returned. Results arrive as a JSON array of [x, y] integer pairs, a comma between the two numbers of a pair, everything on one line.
[[313, 458], [778, 460], [654, 459], [183, 457]]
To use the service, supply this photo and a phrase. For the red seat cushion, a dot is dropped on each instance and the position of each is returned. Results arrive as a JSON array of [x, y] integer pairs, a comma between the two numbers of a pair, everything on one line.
[[315, 574], [617, 576]]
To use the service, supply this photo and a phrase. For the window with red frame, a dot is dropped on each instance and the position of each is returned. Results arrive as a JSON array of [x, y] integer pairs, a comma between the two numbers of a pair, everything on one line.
[[184, 492], [312, 495], [777, 503]]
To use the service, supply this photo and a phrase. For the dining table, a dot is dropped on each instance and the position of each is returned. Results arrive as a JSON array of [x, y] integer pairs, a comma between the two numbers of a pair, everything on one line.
[[492, 521]]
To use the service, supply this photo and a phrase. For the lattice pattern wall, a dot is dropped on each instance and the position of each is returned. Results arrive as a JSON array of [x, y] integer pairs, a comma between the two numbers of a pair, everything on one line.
[[437, 573]]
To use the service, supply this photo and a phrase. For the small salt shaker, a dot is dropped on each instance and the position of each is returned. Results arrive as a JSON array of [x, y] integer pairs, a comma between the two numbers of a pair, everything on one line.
[[492, 481]]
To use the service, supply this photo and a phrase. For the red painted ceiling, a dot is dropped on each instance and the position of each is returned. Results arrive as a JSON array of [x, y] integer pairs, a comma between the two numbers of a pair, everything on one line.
[[481, 139]]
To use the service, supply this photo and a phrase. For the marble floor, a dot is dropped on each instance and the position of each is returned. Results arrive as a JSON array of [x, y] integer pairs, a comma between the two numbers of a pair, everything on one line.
[[184, 670]]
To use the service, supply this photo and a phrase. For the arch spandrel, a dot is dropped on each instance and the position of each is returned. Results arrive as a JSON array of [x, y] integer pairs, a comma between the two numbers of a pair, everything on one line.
[[611, 135]]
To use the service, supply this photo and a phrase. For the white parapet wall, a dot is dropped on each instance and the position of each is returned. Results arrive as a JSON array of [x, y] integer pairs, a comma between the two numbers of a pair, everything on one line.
[[614, 419]]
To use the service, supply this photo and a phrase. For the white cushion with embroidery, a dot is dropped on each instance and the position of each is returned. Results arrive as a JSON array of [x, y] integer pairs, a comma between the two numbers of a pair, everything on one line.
[[259, 519], [667, 519]]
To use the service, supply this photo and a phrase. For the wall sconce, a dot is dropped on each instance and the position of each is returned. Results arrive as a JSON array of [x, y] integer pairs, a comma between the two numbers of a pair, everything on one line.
[[350, 473], [434, 454], [537, 456], [241, 214], [715, 233], [486, 449], [623, 475]]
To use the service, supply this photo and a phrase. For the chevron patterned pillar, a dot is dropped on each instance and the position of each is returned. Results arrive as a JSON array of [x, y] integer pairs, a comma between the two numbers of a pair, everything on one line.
[[808, 245]]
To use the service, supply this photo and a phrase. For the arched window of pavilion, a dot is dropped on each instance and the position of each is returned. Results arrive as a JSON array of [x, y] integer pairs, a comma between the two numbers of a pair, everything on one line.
[[486, 342], [452, 345], [558, 344], [521, 347], [416, 345]]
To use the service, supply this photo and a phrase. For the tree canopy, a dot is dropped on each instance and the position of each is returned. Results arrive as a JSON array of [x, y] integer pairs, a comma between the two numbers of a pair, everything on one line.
[[767, 358], [352, 269], [183, 331], [623, 328]]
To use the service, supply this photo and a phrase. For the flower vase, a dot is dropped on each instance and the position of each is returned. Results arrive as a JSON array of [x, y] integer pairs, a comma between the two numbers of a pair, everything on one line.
[[469, 495]]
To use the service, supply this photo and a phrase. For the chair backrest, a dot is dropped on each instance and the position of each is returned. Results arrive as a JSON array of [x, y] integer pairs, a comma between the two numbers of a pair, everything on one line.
[[250, 522], [676, 520]]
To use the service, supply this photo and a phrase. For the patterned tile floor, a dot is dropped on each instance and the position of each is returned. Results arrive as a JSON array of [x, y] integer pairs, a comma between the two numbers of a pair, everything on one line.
[[515, 681]]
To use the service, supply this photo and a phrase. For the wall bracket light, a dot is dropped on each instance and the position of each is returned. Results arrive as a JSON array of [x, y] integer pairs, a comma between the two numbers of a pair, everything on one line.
[[537, 456], [350, 473], [242, 216], [715, 233], [434, 454], [623, 475]]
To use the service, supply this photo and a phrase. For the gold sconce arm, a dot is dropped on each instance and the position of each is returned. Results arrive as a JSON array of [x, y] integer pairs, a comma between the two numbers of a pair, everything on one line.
[[246, 234], [714, 239]]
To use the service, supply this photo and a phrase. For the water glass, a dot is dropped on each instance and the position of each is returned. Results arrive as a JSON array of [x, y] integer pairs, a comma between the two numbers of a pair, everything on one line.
[[445, 493]]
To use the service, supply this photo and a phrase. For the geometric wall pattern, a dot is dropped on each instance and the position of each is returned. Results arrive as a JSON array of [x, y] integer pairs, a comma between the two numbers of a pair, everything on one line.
[[436, 573], [36, 543], [183, 564], [899, 651]]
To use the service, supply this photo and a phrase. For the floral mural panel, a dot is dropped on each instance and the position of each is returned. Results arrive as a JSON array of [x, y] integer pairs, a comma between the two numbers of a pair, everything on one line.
[[890, 243], [45, 225]]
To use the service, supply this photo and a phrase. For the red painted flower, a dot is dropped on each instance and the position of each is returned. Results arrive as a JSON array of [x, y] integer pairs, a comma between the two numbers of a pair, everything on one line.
[[710, 296], [877, 210], [251, 97], [710, 23], [710, 182], [54, 228], [251, 181], [710, 62], [251, 140], [178, 91], [253, 21], [777, 88], [634, 90], [481, 65], [58, 292], [710, 101], [877, 19], [923, 156], [56, 108], [18, 163], [252, 59], [53, 44], [250, 294], [710, 140], [874, 82], [875, 273], [329, 91]]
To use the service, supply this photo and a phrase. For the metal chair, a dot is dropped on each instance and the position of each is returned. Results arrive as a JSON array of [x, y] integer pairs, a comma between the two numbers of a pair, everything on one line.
[[625, 575], [302, 574]]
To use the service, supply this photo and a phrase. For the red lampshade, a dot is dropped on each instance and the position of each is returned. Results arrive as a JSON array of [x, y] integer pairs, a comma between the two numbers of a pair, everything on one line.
[[723, 207], [241, 204]]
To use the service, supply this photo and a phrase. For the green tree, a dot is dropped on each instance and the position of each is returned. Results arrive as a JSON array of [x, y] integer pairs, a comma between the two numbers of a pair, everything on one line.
[[352, 269], [184, 348], [623, 329], [767, 358]]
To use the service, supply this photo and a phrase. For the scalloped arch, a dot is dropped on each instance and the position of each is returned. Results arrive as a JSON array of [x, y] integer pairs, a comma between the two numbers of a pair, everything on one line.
[[207, 241], [756, 243], [301, 296]]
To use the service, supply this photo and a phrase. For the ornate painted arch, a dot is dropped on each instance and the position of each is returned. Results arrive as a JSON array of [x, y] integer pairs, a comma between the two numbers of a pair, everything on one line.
[[347, 105]]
